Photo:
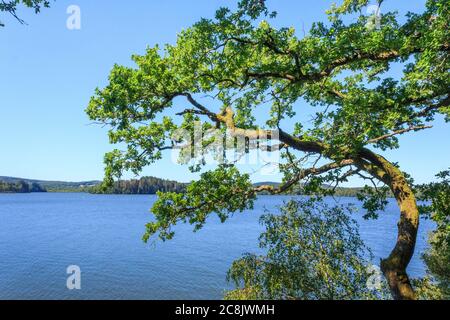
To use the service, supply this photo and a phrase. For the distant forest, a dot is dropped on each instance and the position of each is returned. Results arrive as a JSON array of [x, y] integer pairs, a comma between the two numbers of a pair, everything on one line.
[[20, 187], [151, 185], [145, 185]]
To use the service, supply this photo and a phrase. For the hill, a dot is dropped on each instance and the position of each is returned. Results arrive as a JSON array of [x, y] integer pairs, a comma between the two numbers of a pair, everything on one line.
[[53, 186]]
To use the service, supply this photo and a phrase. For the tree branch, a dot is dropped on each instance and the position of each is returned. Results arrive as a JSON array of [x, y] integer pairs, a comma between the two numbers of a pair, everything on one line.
[[303, 174], [398, 132]]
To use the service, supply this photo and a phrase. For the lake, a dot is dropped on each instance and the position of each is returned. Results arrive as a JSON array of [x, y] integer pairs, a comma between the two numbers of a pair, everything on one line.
[[42, 234]]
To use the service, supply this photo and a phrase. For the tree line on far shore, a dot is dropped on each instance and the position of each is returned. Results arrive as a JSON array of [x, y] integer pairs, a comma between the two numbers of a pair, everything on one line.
[[20, 187], [144, 185]]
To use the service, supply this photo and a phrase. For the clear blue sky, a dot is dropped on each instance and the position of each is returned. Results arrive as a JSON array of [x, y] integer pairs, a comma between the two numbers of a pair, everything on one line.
[[48, 73]]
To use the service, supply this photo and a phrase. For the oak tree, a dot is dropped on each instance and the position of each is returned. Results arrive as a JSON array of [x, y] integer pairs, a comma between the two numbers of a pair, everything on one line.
[[334, 82]]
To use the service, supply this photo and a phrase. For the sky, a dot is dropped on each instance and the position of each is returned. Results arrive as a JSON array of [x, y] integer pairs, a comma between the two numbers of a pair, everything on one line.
[[48, 74]]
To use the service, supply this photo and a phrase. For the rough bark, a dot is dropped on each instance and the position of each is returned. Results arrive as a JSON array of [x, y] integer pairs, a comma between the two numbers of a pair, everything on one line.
[[394, 266]]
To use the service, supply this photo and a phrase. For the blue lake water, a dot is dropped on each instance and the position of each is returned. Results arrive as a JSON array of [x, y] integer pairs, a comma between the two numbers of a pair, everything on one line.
[[42, 234]]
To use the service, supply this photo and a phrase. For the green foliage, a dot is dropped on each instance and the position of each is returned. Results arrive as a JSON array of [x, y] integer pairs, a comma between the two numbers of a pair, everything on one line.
[[437, 257], [437, 260], [10, 6], [335, 83], [438, 196], [314, 251], [374, 200], [239, 61], [426, 289], [222, 191]]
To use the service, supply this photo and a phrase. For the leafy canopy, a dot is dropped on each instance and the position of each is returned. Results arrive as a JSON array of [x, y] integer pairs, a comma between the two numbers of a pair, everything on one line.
[[224, 71]]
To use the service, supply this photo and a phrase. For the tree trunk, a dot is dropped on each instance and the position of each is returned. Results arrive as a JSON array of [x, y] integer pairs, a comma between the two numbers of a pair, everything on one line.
[[394, 266]]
